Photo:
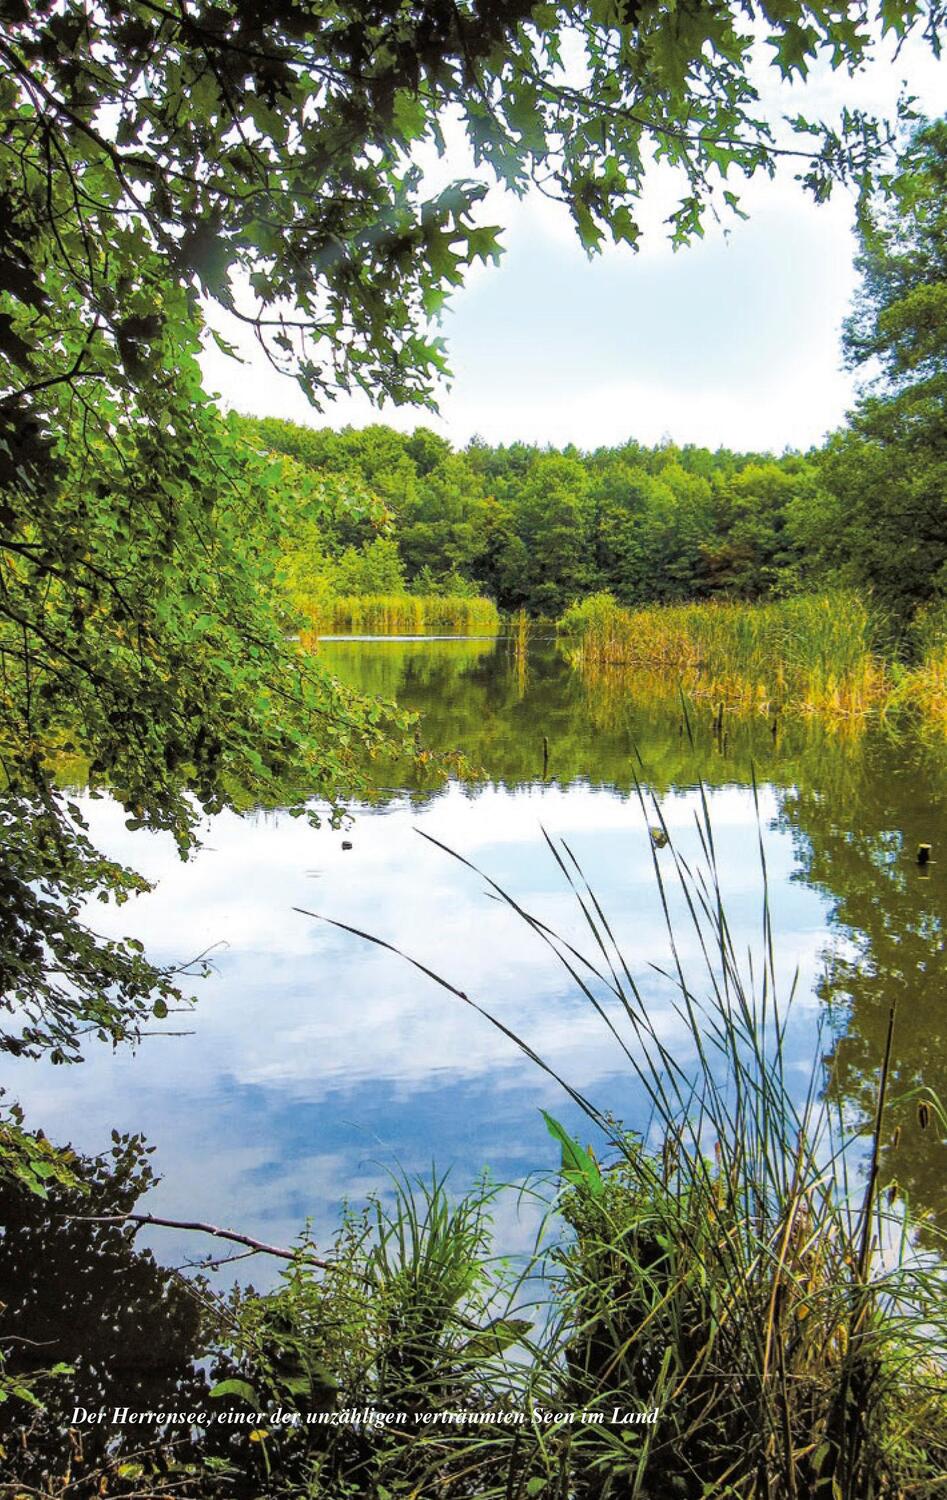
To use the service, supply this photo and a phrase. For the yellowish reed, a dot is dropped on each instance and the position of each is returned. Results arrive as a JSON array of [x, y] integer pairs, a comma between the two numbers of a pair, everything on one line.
[[402, 614], [925, 685], [812, 654], [520, 638]]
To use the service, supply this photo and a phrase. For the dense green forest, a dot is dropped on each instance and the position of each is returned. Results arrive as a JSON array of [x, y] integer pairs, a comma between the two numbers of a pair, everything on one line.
[[535, 528]]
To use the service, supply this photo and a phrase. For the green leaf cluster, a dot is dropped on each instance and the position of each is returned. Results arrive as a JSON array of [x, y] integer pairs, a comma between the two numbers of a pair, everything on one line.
[[886, 475]]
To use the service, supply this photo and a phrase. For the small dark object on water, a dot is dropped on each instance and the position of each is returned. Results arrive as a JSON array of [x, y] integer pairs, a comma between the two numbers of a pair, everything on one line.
[[545, 756], [923, 1115], [346, 844], [658, 837], [718, 720], [924, 854]]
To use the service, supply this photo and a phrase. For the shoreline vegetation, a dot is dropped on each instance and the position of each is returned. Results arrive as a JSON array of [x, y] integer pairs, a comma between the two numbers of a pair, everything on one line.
[[819, 654], [747, 1272], [401, 614], [824, 655]]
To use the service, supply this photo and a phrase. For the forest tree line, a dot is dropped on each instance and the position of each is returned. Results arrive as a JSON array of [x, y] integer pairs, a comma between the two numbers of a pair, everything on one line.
[[535, 528]]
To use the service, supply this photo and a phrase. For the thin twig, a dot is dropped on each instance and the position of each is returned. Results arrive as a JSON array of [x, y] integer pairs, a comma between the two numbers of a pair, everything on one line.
[[199, 1227]]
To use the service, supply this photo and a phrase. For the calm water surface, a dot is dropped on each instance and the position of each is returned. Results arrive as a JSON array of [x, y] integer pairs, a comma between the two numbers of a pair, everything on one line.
[[314, 1062]]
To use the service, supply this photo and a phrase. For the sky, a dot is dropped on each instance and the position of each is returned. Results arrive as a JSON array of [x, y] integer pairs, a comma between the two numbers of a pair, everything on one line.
[[733, 341]]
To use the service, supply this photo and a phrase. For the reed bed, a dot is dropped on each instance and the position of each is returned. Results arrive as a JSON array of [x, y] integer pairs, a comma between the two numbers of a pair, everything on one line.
[[812, 654], [402, 614], [925, 685]]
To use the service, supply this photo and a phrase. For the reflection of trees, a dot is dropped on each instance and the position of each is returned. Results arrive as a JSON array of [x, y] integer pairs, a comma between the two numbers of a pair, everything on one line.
[[890, 919], [858, 804], [597, 727], [80, 1294]]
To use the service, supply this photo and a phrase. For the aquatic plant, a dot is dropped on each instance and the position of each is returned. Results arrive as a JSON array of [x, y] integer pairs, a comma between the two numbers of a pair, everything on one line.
[[402, 614], [746, 1268], [924, 685], [519, 643], [412, 1322], [808, 653]]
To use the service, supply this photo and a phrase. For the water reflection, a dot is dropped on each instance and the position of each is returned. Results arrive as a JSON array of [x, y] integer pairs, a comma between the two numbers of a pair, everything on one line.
[[314, 1061], [889, 916]]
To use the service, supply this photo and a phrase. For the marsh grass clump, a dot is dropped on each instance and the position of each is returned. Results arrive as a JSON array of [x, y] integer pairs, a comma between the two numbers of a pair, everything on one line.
[[810, 653], [735, 1270], [777, 1367], [411, 1323], [401, 614], [924, 684]]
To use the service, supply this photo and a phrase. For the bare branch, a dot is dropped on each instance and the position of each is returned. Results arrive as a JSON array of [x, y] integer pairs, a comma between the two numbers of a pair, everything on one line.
[[196, 1226]]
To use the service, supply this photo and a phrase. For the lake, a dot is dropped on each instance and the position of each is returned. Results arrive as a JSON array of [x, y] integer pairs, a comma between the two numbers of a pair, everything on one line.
[[315, 1063]]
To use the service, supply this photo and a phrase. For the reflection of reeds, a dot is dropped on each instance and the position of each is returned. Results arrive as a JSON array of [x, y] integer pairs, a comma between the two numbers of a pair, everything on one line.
[[812, 654], [520, 639], [402, 614], [612, 692]]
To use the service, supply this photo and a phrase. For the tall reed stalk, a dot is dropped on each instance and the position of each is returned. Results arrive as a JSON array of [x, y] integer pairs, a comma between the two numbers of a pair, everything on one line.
[[519, 637]]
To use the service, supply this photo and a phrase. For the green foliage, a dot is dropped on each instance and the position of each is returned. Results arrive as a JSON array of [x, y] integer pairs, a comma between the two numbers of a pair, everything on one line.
[[376, 570], [534, 528], [900, 316], [411, 1319], [143, 629], [578, 1165], [266, 160], [30, 1160], [886, 528]]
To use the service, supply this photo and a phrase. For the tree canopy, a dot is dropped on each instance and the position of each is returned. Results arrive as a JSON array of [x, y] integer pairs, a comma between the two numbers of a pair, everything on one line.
[[266, 156], [537, 528], [888, 470], [900, 318]]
